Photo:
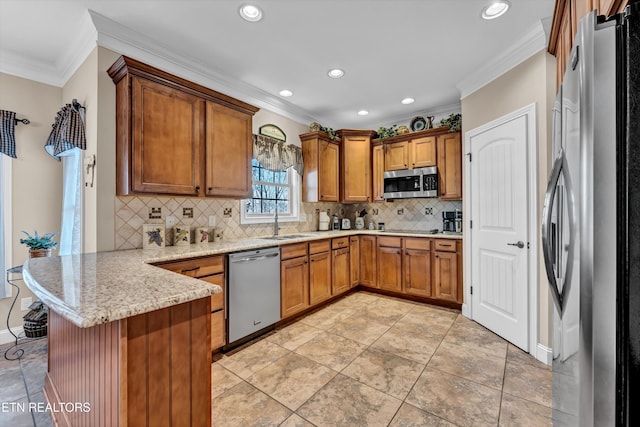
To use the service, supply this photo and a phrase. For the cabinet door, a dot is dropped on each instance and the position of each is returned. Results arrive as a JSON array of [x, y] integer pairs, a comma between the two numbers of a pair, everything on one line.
[[167, 140], [368, 261], [229, 151], [319, 277], [294, 286], [356, 176], [390, 268], [446, 276], [378, 173], [450, 166], [417, 272], [354, 260], [328, 171], [340, 277], [423, 152], [396, 156]]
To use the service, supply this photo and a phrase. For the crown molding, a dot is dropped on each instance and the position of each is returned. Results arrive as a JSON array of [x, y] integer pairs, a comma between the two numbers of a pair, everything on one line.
[[57, 73], [531, 43], [124, 40]]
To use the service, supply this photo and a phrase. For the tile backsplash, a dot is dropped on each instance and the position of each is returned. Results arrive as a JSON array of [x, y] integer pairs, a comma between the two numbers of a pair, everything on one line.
[[133, 211]]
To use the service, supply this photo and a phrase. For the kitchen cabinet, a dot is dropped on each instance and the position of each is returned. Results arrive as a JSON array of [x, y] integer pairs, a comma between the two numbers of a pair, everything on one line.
[[354, 260], [229, 149], [447, 266], [417, 267], [176, 137], [377, 170], [368, 261], [294, 279], [410, 154], [340, 272], [320, 181], [210, 269], [449, 166], [355, 166], [390, 263], [319, 271]]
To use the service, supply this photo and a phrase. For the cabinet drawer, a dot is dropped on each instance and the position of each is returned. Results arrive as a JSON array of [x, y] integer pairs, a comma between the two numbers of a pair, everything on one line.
[[319, 246], [420, 244], [293, 251], [217, 300], [445, 245], [340, 242], [197, 267], [393, 242], [218, 338]]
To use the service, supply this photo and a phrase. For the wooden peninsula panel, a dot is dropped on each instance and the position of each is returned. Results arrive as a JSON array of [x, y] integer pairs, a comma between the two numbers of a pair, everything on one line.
[[153, 369]]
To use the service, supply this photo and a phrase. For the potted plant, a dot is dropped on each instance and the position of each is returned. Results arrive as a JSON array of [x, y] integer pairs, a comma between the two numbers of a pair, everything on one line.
[[39, 246]]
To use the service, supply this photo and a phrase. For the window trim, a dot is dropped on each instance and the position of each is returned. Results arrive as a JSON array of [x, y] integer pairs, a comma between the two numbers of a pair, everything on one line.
[[5, 194], [294, 202]]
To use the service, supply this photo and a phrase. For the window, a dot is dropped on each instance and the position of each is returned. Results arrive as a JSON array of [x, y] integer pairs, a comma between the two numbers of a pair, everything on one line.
[[5, 224], [271, 190]]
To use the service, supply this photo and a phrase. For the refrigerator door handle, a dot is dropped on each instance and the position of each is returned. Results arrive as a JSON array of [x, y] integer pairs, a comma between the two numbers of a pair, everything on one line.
[[559, 168]]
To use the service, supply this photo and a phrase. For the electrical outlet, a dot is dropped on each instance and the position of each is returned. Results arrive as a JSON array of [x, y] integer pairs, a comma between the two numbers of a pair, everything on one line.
[[171, 221], [25, 303], [212, 221]]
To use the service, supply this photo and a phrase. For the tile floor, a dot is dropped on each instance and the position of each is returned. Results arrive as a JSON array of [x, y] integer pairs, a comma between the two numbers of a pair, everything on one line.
[[369, 360], [366, 360]]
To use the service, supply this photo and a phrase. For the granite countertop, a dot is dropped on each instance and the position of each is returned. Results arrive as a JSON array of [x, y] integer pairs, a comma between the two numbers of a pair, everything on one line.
[[95, 288]]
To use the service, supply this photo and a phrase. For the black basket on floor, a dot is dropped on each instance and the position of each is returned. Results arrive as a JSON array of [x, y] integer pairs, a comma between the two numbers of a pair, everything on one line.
[[35, 321]]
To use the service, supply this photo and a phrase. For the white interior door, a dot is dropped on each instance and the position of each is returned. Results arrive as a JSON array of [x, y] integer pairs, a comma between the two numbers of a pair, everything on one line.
[[500, 233]]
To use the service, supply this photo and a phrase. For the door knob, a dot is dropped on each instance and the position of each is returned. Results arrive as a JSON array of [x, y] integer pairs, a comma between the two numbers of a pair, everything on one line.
[[519, 244]]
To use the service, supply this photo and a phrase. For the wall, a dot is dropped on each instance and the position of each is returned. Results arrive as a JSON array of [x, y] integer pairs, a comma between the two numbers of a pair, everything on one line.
[[36, 176], [533, 81]]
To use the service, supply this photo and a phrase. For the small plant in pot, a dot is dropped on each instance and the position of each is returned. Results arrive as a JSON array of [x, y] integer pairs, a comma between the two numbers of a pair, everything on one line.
[[39, 246]]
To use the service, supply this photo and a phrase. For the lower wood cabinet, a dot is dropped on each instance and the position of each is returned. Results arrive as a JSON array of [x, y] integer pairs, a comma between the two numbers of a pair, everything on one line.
[[447, 264], [294, 285], [390, 263], [319, 277], [417, 267], [354, 260], [340, 276], [368, 261]]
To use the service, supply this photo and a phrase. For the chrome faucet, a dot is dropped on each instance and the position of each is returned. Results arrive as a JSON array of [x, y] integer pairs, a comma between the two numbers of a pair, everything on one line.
[[275, 223]]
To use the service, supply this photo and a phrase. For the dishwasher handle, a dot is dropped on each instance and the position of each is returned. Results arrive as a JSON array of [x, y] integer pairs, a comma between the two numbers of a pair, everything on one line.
[[254, 258]]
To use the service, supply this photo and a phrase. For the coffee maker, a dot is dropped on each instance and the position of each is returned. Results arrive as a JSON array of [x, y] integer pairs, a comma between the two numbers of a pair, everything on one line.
[[452, 221]]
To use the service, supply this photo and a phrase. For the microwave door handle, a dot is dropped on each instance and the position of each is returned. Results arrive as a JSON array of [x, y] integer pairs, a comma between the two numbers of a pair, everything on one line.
[[547, 240]]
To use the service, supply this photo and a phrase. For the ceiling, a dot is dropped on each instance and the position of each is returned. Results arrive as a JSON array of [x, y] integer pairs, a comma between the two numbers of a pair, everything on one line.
[[431, 50]]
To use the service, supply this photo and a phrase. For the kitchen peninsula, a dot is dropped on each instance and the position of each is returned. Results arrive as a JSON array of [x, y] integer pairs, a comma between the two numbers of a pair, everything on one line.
[[128, 342]]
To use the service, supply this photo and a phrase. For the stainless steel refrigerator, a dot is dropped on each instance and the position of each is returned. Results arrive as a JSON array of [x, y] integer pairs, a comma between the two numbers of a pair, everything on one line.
[[591, 226]]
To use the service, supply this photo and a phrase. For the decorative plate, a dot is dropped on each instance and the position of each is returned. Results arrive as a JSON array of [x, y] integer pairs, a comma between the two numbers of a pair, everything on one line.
[[418, 124]]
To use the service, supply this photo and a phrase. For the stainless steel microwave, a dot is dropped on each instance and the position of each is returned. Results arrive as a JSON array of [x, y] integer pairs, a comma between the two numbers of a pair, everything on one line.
[[403, 184]]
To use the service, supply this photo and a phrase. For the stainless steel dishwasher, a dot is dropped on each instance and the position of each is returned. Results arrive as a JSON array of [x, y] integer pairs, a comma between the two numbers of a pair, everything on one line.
[[254, 291]]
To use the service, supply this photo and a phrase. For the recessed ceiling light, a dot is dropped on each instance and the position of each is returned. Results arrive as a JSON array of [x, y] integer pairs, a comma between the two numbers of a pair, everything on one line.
[[250, 13], [407, 101], [363, 112], [286, 92], [495, 9], [335, 73]]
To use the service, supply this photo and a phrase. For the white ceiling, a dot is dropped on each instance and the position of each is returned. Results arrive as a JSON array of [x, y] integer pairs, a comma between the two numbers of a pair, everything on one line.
[[431, 50]]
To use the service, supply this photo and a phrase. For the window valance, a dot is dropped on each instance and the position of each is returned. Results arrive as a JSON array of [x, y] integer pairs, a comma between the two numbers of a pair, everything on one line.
[[277, 155], [68, 131]]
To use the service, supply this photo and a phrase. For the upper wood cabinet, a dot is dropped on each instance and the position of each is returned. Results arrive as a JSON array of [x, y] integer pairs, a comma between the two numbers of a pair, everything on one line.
[[414, 153], [566, 17], [377, 168], [355, 166], [450, 166], [176, 137], [320, 181]]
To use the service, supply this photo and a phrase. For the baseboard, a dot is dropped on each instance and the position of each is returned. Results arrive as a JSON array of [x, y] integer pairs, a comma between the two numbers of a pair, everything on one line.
[[544, 354], [6, 337], [466, 312]]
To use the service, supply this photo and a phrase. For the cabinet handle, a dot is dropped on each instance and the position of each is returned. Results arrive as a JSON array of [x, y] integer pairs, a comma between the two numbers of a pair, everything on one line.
[[399, 252], [197, 188], [188, 270], [210, 189], [405, 165], [406, 253], [445, 245]]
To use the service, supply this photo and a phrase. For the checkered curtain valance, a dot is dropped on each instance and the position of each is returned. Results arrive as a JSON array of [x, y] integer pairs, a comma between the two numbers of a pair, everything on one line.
[[276, 155]]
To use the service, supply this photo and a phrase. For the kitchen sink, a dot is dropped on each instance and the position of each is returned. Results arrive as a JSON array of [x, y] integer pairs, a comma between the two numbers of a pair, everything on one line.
[[286, 237]]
